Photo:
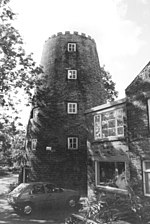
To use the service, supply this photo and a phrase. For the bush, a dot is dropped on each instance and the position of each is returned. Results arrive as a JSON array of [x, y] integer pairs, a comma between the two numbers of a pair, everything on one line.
[[12, 186], [110, 208]]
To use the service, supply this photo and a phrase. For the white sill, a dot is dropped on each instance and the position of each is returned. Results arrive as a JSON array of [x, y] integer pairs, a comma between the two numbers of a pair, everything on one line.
[[147, 195], [112, 189], [109, 138]]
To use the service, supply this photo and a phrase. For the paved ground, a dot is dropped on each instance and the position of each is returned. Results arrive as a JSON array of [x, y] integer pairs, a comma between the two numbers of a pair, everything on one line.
[[8, 216]]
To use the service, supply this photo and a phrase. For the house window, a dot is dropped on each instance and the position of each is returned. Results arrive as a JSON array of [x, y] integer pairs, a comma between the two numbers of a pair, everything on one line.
[[71, 46], [111, 174], [72, 143], [72, 74], [72, 108], [109, 124], [146, 177], [33, 144]]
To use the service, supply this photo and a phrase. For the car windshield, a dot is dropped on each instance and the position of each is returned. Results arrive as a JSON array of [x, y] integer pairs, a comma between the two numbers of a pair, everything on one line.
[[20, 188]]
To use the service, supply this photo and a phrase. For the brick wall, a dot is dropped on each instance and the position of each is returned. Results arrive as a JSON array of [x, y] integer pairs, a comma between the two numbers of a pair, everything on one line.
[[138, 125], [54, 125]]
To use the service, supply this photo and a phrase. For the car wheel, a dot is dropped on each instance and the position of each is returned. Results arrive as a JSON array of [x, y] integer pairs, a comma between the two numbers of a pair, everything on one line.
[[72, 202], [27, 209]]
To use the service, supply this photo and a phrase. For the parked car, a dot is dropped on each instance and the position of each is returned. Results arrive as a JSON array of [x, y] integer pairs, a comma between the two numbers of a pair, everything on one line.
[[28, 196]]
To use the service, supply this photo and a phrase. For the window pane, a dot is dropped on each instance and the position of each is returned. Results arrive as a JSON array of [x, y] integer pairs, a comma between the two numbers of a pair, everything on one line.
[[104, 124], [97, 118], [147, 183], [119, 113], [112, 174], [97, 127], [105, 133], [107, 171], [38, 189], [111, 115], [120, 167], [112, 132], [120, 131], [147, 165], [111, 123], [119, 122]]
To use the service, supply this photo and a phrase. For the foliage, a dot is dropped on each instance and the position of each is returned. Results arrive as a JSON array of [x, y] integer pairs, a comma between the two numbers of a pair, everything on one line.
[[12, 138], [109, 85], [12, 186], [17, 70], [19, 75], [112, 208]]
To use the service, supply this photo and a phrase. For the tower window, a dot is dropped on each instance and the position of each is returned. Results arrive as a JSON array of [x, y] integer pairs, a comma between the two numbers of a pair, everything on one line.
[[72, 74], [71, 46], [33, 144], [72, 108], [72, 143], [146, 177], [35, 113]]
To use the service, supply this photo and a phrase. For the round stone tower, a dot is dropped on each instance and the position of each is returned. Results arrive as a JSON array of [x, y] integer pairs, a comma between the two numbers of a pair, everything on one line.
[[57, 131]]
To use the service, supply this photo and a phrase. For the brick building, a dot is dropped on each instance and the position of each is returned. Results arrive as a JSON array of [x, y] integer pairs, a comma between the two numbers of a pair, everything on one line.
[[70, 125], [119, 139], [57, 132]]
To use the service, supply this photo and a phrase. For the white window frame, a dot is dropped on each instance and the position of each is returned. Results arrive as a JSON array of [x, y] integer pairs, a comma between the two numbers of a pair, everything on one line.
[[48, 148], [33, 144], [145, 171], [98, 134], [73, 143], [1, 144], [72, 47], [72, 108], [72, 74]]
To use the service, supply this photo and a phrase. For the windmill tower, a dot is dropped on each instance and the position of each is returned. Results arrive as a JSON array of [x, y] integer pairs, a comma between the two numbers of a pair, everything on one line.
[[57, 133]]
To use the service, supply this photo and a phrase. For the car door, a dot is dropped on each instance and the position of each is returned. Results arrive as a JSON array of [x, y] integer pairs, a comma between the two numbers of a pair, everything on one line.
[[55, 196], [38, 196]]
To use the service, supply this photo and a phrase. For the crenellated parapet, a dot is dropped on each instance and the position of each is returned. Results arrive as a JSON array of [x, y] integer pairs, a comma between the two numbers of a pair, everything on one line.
[[82, 35]]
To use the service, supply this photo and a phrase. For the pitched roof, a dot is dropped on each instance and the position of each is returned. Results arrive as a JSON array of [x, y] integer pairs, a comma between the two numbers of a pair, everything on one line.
[[141, 75]]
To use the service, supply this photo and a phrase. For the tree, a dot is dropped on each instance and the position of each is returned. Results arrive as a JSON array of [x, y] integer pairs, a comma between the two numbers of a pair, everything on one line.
[[18, 74], [109, 85], [17, 70]]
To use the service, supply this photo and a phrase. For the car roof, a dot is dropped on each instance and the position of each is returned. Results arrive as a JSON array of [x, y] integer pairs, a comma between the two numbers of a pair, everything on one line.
[[39, 182]]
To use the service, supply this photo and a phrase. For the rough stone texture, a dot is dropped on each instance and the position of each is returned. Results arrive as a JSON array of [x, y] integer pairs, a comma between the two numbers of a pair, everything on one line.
[[138, 92], [53, 125]]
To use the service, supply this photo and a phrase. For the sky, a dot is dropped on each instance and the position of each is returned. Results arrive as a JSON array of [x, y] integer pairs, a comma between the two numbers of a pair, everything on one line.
[[120, 28]]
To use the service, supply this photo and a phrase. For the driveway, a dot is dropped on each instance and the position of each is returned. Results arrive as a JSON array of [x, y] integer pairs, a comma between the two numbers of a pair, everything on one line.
[[8, 216]]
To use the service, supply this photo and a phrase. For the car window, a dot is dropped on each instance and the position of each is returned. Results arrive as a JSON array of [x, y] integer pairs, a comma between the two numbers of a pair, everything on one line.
[[49, 188], [38, 189], [20, 188]]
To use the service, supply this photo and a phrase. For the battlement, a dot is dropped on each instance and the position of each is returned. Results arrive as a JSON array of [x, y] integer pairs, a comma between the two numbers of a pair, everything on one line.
[[73, 33]]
